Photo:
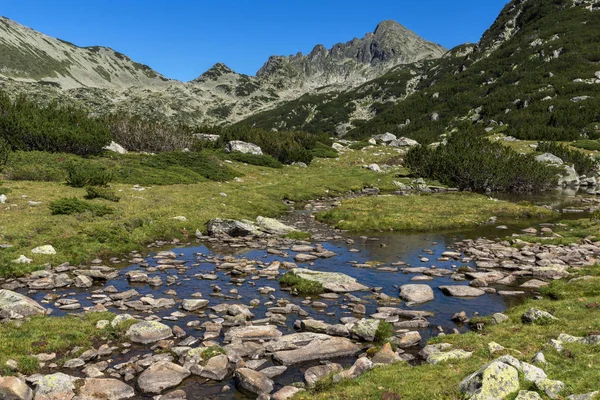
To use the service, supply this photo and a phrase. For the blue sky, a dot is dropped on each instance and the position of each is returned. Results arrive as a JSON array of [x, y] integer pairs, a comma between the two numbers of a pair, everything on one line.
[[183, 38]]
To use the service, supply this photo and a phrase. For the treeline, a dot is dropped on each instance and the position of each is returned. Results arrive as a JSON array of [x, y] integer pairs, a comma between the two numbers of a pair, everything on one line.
[[472, 162]]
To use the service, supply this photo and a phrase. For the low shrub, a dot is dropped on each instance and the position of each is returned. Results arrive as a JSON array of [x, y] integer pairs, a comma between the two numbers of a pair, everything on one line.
[[587, 144], [359, 145], [472, 162], [298, 235], [82, 174], [384, 331], [264, 160], [323, 151], [301, 285], [584, 164], [99, 192], [73, 205]]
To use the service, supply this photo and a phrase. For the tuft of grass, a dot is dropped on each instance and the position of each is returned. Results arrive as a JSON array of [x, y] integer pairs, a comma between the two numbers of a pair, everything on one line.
[[73, 205], [99, 192], [384, 331], [264, 160], [298, 235], [211, 352], [425, 212], [301, 285]]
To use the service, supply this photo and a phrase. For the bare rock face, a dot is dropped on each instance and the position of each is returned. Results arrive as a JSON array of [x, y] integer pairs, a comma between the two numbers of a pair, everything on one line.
[[160, 376], [16, 304]]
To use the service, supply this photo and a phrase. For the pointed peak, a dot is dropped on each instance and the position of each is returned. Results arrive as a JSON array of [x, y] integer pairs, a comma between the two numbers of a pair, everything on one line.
[[388, 25], [215, 72]]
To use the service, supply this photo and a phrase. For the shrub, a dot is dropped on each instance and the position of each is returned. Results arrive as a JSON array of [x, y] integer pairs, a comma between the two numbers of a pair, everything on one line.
[[470, 161], [359, 145], [301, 285], [72, 205], [4, 153], [298, 235], [253, 159], [384, 331], [82, 174], [99, 192], [324, 151], [27, 126], [584, 165], [587, 144]]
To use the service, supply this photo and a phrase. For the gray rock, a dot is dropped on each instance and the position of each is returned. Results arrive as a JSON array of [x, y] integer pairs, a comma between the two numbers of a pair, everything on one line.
[[105, 389], [496, 380], [160, 376], [194, 304], [549, 158], [13, 388], [365, 329], [232, 228], [253, 381], [535, 316], [318, 350], [359, 367], [12, 303], [331, 281], [253, 333], [56, 386], [148, 332], [216, 368], [462, 291], [243, 147], [314, 374], [551, 388], [116, 148], [286, 392], [415, 293]]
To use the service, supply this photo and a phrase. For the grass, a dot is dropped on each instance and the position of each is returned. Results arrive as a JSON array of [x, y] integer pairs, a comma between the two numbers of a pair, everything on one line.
[[211, 352], [301, 285], [141, 217], [298, 235], [578, 366], [384, 331], [73, 205], [425, 212], [20, 340]]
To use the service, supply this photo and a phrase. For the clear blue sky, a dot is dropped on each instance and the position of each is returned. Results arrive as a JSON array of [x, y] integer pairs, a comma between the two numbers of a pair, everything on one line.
[[183, 38]]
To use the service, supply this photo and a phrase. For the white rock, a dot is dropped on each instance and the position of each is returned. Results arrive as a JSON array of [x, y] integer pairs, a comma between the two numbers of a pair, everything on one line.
[[46, 250], [116, 148]]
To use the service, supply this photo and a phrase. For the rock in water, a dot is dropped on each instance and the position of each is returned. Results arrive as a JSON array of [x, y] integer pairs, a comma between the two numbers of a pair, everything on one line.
[[12, 388], [148, 332], [462, 291], [253, 381], [231, 227], [109, 389], [243, 147], [416, 293], [318, 372], [331, 281], [318, 350], [12, 303], [160, 376]]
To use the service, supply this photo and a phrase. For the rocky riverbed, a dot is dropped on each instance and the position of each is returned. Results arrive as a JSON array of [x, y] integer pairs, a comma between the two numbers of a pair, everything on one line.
[[212, 321]]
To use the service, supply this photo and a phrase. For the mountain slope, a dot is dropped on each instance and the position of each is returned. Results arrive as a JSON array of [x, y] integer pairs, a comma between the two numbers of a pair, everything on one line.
[[535, 72], [29, 55], [106, 81]]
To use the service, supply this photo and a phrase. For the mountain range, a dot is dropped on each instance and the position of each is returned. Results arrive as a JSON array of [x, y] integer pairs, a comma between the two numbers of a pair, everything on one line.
[[535, 74]]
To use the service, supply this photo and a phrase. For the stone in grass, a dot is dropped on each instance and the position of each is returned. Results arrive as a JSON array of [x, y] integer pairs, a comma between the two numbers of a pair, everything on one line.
[[459, 354], [495, 380], [44, 250], [527, 395], [538, 317], [550, 387], [587, 396], [286, 392]]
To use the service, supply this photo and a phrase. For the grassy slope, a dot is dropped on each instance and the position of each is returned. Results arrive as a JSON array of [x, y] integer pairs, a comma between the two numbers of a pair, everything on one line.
[[578, 310], [424, 212]]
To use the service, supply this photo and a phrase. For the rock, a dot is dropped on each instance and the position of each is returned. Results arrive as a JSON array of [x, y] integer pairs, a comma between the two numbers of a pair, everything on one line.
[[160, 376], [499, 318], [550, 387], [535, 316], [384, 138], [105, 389], [365, 329], [231, 227], [407, 339], [148, 332], [318, 350], [534, 284], [570, 177], [496, 380], [527, 395], [374, 168], [587, 396], [275, 371], [532, 373], [57, 386], [549, 158], [359, 367], [494, 347], [243, 147], [462, 291], [216, 368], [286, 392], [415, 293], [459, 354], [194, 304], [45, 250], [386, 355], [316, 373], [272, 226], [253, 381], [22, 260], [120, 319], [12, 303], [206, 137], [332, 281], [253, 333], [12, 388], [404, 142], [115, 148], [3, 198], [82, 281]]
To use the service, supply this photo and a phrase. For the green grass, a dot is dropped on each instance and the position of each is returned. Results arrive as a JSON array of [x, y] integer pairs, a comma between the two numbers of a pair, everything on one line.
[[578, 366], [211, 352], [20, 340], [424, 212], [301, 285], [587, 144], [298, 235], [73, 205]]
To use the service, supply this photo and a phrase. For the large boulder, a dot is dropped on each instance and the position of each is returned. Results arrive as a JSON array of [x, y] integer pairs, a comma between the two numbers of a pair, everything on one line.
[[273, 227], [318, 350], [13, 304], [570, 177], [253, 381], [386, 355], [461, 291], [148, 332], [359, 367], [385, 137], [231, 227], [331, 281], [160, 376], [12, 388], [105, 389], [535, 316], [216, 368], [365, 329], [549, 158], [415, 293], [404, 142], [56, 386], [496, 380], [243, 147]]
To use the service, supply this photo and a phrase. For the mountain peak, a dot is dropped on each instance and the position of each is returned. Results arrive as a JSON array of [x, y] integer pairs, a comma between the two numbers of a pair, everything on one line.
[[389, 25], [215, 72]]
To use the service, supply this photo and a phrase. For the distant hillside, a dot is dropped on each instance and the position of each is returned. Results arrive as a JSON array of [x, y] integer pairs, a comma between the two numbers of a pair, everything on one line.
[[536, 72]]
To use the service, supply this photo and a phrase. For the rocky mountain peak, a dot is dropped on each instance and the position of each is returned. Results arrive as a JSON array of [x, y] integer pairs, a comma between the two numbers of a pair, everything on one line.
[[215, 72]]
